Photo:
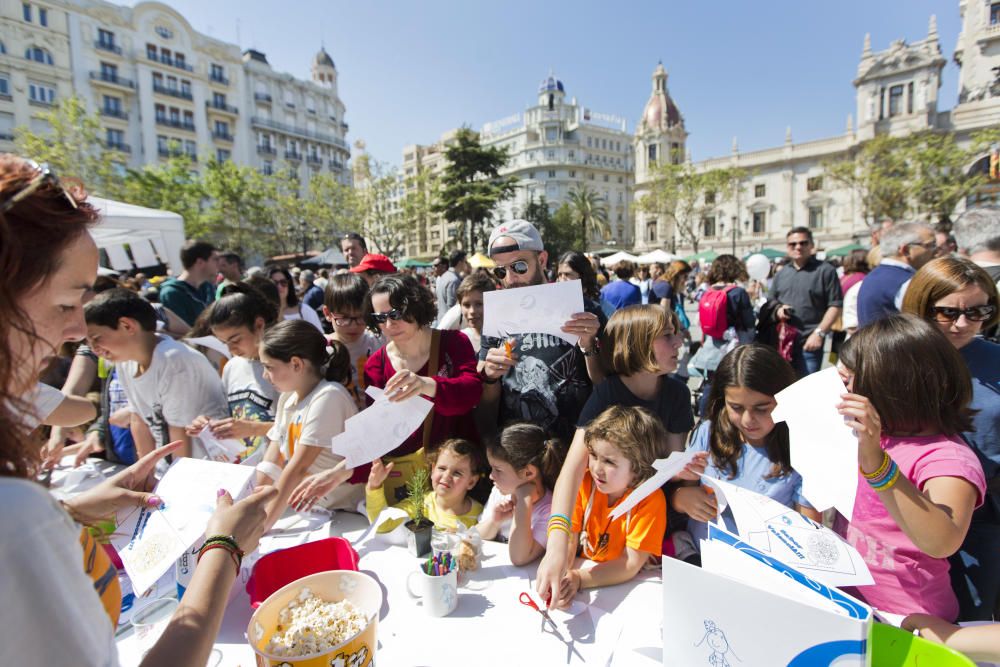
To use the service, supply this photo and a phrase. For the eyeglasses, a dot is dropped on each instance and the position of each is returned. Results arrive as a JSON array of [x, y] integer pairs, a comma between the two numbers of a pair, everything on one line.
[[394, 315], [45, 176], [347, 321], [974, 314], [795, 244], [927, 245], [520, 267]]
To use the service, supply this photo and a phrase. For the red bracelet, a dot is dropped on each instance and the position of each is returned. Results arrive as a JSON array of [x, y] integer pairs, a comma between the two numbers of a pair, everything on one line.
[[220, 545]]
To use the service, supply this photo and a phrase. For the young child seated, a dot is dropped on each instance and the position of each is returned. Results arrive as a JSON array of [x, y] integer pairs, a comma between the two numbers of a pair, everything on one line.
[[343, 301], [455, 470], [524, 465], [745, 446], [622, 443]]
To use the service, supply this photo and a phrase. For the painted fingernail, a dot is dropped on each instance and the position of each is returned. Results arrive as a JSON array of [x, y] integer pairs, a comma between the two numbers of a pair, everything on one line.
[[154, 501], [220, 493]]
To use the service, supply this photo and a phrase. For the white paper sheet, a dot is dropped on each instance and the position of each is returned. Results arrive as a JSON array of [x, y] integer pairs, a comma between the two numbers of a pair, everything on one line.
[[786, 535], [666, 469], [380, 428], [221, 449], [143, 253], [824, 449], [212, 343], [150, 541], [536, 309]]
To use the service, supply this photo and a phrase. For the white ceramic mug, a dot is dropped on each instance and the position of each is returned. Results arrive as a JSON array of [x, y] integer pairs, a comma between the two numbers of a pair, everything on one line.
[[438, 593]]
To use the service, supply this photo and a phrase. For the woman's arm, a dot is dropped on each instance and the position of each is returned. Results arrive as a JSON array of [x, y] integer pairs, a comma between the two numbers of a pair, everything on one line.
[[557, 551], [522, 545], [293, 473], [609, 573], [72, 411], [980, 643]]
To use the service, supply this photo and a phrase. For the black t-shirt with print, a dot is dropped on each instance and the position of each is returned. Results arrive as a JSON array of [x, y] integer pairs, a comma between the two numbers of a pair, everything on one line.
[[672, 404], [549, 385]]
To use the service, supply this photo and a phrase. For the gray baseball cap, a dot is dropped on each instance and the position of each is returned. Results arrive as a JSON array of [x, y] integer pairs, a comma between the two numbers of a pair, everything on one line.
[[523, 233]]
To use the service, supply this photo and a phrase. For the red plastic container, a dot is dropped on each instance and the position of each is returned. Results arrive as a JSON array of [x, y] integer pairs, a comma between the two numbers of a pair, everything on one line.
[[281, 568]]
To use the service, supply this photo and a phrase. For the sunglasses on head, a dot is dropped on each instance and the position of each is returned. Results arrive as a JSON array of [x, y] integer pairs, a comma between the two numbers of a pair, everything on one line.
[[45, 176], [520, 267], [974, 314], [394, 315]]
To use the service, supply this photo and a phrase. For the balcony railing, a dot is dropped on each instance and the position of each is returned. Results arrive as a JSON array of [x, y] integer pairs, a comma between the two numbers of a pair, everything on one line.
[[179, 64], [267, 150], [118, 146], [336, 164], [222, 136], [179, 124], [262, 97], [165, 151], [289, 129], [314, 160], [113, 79], [344, 127], [6, 136], [219, 78], [40, 103], [114, 113], [292, 155], [221, 106], [173, 92], [108, 46]]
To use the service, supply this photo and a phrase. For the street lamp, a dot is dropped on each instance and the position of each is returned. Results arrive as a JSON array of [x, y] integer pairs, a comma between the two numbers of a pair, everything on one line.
[[303, 228], [734, 231]]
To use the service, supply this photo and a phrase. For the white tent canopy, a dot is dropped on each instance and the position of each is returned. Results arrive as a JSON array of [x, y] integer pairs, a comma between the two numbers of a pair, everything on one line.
[[149, 232], [621, 256], [657, 255]]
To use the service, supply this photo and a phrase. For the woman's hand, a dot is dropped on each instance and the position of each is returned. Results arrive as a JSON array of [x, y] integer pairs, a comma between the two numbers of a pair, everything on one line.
[[245, 520], [552, 570], [930, 627], [568, 587], [314, 487], [129, 488], [195, 427], [378, 474], [698, 502], [503, 511], [861, 416], [692, 471], [406, 384]]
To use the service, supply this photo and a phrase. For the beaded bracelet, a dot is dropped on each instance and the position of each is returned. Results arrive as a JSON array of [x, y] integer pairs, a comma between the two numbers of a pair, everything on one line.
[[226, 539], [237, 560], [882, 469]]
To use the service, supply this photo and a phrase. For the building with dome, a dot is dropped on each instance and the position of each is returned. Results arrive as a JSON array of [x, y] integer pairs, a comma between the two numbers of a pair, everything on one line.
[[159, 87], [896, 94]]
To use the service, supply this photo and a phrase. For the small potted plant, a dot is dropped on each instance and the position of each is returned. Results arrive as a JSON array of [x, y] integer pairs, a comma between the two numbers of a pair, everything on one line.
[[418, 540]]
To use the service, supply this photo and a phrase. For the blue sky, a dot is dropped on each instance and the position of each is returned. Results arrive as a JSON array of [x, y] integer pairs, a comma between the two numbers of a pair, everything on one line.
[[411, 70]]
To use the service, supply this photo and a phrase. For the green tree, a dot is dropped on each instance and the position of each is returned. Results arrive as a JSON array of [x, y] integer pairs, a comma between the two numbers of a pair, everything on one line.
[[590, 212], [559, 231], [879, 173], [471, 185], [331, 208], [74, 147], [382, 221], [240, 208], [172, 185]]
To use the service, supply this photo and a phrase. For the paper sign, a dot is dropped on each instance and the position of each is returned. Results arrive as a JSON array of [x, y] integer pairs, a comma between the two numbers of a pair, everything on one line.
[[150, 541], [221, 449], [666, 469], [540, 309], [380, 428], [824, 449], [786, 535], [212, 343]]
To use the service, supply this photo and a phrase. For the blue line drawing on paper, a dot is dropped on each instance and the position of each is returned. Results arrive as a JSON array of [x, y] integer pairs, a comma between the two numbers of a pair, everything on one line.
[[716, 640]]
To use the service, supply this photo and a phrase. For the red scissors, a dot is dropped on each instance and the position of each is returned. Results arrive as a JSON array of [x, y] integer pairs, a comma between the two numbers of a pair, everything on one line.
[[528, 601]]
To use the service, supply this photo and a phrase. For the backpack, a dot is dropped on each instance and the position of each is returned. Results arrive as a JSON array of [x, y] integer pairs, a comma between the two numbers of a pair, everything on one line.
[[712, 311]]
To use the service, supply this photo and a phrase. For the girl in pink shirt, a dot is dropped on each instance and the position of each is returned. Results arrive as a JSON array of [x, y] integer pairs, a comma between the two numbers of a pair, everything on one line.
[[918, 482]]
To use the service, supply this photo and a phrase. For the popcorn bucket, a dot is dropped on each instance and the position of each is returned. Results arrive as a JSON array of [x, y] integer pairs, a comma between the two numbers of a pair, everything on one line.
[[332, 586]]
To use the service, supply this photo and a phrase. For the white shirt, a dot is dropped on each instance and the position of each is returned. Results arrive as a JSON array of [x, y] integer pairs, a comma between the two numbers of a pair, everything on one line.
[[56, 616], [305, 313], [45, 400], [849, 320], [320, 415], [179, 385], [539, 515]]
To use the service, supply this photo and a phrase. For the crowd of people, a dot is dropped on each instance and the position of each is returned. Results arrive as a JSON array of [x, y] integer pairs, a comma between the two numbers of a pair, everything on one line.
[[531, 439]]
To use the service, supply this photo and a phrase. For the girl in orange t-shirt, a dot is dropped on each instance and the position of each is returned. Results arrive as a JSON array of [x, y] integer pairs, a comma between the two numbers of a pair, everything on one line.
[[622, 444]]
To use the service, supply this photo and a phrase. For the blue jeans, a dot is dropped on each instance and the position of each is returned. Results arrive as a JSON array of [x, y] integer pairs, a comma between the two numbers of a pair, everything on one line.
[[804, 361]]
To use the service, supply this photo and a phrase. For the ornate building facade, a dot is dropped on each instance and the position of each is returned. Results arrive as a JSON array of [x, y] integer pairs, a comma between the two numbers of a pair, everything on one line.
[[896, 94]]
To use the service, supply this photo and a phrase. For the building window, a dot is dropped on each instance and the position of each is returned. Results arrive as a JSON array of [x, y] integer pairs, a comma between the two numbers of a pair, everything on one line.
[[38, 54], [43, 16], [814, 183], [708, 226], [590, 142], [572, 155], [815, 217], [909, 97], [162, 144], [114, 138], [26, 11], [105, 39], [651, 231], [151, 51], [4, 85], [217, 73], [222, 128], [552, 173], [161, 113], [3, 49], [895, 101], [760, 190], [112, 105], [109, 72], [188, 119], [268, 168], [41, 93], [186, 87], [606, 178], [759, 222], [222, 155], [881, 103], [191, 148], [995, 13], [651, 154], [572, 173]]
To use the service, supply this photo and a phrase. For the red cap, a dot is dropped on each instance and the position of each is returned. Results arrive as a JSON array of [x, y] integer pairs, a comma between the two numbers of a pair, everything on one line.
[[374, 263]]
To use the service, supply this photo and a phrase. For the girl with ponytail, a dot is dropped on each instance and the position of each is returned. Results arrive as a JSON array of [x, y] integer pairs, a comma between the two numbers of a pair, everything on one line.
[[311, 410], [524, 466]]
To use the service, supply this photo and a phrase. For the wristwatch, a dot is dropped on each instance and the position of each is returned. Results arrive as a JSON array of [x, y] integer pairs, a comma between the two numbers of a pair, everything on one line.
[[594, 350], [821, 333]]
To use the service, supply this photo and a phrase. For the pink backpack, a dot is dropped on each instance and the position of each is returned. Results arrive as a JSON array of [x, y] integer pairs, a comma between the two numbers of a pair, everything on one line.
[[712, 312]]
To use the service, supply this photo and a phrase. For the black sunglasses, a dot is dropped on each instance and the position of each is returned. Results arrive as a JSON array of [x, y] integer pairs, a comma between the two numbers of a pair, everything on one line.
[[381, 318], [974, 314], [520, 267], [793, 244], [45, 176]]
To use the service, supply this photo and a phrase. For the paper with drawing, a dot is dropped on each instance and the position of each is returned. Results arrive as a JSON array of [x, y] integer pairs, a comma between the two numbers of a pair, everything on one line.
[[824, 449], [791, 538], [535, 309], [150, 541], [380, 428], [666, 469]]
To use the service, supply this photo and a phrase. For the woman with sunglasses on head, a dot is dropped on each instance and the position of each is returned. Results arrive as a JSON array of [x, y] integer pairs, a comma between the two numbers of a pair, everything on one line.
[[290, 308], [960, 298], [419, 361], [61, 582]]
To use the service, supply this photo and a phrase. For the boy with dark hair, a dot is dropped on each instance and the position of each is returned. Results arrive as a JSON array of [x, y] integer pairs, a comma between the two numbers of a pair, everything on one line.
[[343, 302], [190, 293], [167, 384], [231, 268]]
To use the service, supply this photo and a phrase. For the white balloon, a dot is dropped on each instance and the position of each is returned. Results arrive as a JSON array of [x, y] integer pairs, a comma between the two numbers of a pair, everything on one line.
[[758, 267]]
